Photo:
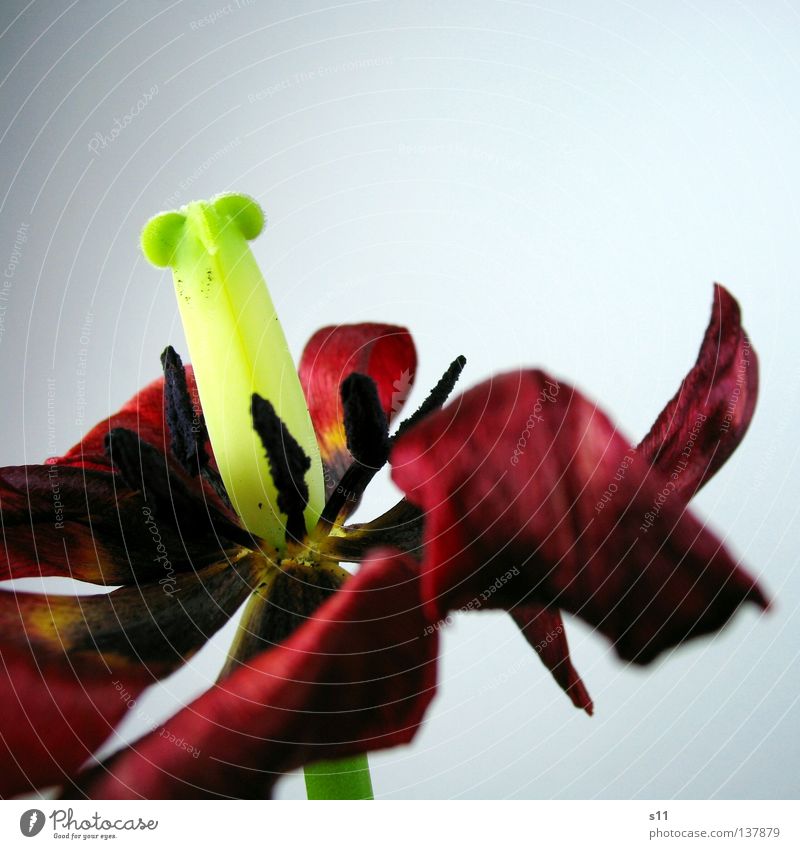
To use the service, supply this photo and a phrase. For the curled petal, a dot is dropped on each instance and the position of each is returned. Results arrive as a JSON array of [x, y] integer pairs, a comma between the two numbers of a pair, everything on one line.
[[56, 712], [358, 676], [383, 352], [708, 417], [531, 495], [544, 630]]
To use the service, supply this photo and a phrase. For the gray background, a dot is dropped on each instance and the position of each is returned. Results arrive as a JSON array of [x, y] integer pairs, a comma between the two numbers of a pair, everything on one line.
[[524, 183]]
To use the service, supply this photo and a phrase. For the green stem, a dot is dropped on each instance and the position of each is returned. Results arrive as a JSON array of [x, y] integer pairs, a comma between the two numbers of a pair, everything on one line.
[[345, 779]]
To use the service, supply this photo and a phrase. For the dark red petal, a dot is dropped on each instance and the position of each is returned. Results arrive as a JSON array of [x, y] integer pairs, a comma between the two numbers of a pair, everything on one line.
[[544, 630], [61, 520], [383, 352], [358, 676], [531, 495], [708, 417], [157, 625], [144, 414], [86, 524], [55, 712]]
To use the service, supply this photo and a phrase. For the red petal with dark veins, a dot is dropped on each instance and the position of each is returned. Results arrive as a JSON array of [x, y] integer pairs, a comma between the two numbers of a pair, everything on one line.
[[384, 352], [55, 712], [356, 677], [157, 625], [708, 417], [543, 628], [86, 524], [512, 477]]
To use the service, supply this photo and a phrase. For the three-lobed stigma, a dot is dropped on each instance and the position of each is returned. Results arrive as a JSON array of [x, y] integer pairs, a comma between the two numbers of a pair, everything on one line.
[[163, 233]]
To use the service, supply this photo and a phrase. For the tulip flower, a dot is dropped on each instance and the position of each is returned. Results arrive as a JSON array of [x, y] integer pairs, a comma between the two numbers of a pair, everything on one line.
[[226, 488]]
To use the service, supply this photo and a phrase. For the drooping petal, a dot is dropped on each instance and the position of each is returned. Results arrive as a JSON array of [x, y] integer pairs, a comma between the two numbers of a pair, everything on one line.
[[543, 628], [511, 478], [57, 710], [708, 417], [157, 625], [87, 524], [383, 352], [357, 677]]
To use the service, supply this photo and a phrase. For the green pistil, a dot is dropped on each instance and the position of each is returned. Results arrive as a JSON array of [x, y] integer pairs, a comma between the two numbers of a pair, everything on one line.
[[237, 348]]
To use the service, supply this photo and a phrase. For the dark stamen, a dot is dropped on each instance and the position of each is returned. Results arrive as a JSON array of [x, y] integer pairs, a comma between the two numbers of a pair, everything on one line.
[[187, 427], [288, 464], [211, 476], [356, 479], [349, 489], [367, 430], [147, 470], [141, 466], [438, 395], [365, 422]]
